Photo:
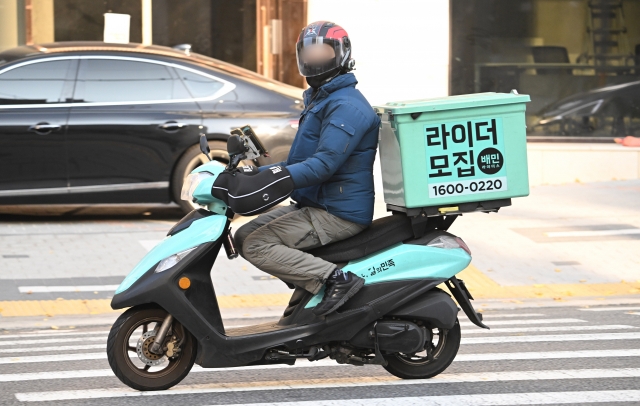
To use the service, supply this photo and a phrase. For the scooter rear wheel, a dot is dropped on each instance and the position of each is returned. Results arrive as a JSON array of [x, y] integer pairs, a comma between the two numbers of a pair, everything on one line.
[[132, 361], [441, 348]]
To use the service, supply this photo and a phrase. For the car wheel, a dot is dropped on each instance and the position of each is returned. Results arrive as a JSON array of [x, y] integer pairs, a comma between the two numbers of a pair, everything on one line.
[[189, 161]]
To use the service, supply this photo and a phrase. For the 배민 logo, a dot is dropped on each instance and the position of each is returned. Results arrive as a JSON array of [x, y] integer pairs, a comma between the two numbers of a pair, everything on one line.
[[275, 169]]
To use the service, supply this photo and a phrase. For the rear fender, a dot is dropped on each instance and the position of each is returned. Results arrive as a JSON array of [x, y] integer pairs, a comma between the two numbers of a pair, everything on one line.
[[435, 308]]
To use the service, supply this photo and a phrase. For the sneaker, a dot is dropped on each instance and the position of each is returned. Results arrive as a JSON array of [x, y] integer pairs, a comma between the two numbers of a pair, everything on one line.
[[337, 293]]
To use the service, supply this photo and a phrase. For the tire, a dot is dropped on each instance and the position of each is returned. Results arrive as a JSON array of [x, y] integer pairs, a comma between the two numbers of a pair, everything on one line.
[[126, 367], [190, 160], [416, 367]]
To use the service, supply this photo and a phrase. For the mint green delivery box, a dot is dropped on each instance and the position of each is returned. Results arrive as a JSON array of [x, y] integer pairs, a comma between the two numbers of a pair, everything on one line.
[[454, 154]]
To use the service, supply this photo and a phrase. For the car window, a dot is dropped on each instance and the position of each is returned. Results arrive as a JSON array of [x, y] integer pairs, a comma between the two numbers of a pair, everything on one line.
[[199, 85], [35, 83], [115, 80]]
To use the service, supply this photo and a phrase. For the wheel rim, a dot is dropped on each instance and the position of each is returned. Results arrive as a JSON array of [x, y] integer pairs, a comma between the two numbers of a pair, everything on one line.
[[435, 349], [136, 348], [217, 154]]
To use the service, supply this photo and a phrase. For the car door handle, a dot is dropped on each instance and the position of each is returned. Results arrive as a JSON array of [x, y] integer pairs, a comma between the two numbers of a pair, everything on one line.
[[44, 128], [173, 126]]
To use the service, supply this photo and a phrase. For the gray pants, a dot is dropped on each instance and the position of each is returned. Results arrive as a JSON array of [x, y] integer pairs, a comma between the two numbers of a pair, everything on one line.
[[274, 242]]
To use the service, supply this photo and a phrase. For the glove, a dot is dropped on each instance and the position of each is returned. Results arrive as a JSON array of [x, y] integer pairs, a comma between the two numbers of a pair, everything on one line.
[[253, 193]]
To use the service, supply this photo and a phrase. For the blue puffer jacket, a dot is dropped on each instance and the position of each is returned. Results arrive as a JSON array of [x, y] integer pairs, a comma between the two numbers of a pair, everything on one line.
[[331, 158]]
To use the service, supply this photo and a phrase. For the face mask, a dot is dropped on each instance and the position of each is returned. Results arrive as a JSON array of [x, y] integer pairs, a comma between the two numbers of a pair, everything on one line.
[[319, 80]]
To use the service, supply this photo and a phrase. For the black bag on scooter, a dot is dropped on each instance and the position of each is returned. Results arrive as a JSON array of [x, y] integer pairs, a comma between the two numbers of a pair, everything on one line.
[[249, 193]]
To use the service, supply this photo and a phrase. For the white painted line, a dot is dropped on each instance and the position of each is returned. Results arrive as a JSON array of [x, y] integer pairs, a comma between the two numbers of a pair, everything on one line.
[[34, 376], [544, 329], [27, 350], [53, 358], [54, 333], [595, 233], [548, 338], [508, 356], [516, 322], [86, 288], [485, 315], [609, 309], [481, 399], [333, 383], [149, 244], [53, 340]]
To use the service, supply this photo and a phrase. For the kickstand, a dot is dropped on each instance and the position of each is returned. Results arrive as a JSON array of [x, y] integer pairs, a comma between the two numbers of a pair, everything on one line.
[[378, 359]]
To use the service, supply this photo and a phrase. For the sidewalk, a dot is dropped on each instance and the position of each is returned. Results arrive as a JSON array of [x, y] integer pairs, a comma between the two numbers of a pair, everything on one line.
[[563, 244]]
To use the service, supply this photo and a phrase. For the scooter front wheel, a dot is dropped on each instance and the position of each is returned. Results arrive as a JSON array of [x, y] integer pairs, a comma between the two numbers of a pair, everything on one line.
[[440, 349], [130, 357]]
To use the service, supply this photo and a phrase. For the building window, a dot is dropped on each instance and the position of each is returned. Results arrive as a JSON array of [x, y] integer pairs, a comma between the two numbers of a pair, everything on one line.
[[578, 59]]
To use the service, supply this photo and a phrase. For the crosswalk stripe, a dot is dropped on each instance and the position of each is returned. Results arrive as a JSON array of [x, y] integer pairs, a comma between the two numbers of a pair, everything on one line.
[[54, 333], [533, 321], [53, 358], [480, 399], [27, 350], [546, 329], [609, 309], [498, 315], [334, 383], [52, 340], [510, 356], [302, 363], [465, 341], [548, 338]]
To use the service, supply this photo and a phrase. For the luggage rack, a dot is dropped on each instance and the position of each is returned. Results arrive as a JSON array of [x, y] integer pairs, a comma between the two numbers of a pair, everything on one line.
[[426, 219]]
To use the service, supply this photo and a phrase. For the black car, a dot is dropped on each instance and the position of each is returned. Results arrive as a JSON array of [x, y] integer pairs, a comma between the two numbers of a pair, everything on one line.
[[90, 122], [610, 111]]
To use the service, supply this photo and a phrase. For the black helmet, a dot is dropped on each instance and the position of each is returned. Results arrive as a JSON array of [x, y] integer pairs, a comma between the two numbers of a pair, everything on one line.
[[314, 59]]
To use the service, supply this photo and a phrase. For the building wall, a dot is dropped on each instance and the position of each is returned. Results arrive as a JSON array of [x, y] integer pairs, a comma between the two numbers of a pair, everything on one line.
[[401, 47], [8, 24]]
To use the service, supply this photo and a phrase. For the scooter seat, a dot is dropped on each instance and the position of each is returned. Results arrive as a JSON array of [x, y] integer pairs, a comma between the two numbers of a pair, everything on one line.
[[383, 232]]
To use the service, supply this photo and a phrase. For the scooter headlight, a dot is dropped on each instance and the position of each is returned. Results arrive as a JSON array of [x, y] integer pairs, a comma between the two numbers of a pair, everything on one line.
[[190, 184], [173, 260]]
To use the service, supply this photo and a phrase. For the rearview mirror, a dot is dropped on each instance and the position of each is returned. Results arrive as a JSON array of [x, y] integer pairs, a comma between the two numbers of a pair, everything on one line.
[[235, 146], [204, 146]]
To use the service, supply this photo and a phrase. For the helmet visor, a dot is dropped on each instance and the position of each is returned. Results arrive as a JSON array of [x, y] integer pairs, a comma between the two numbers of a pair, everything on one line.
[[317, 55]]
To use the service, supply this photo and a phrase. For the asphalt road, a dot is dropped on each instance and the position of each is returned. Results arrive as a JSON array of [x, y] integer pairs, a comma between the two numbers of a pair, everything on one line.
[[531, 356]]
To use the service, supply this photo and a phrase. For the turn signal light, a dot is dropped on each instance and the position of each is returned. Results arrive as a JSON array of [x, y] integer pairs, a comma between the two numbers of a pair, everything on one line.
[[184, 283]]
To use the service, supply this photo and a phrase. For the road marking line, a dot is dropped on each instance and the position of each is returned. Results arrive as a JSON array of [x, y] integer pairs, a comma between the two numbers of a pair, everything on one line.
[[534, 321], [609, 309], [53, 333], [81, 288], [544, 398], [595, 233], [485, 315], [53, 358], [555, 338], [334, 383], [543, 329], [481, 399], [53, 340], [27, 350], [509, 356], [304, 363]]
